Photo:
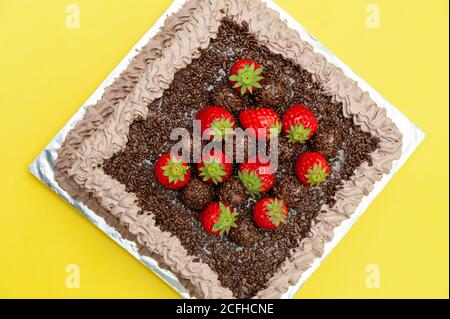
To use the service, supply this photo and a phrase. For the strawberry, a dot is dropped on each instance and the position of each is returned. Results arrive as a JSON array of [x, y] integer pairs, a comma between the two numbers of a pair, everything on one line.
[[218, 219], [171, 172], [264, 123], [299, 123], [245, 76], [270, 213], [216, 121], [256, 177], [215, 168], [312, 168]]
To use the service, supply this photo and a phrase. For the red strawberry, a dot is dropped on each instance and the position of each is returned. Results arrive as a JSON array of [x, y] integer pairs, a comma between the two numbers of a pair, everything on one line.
[[270, 213], [256, 177], [217, 219], [312, 169], [264, 123], [216, 121], [245, 76], [172, 172], [215, 168], [299, 123]]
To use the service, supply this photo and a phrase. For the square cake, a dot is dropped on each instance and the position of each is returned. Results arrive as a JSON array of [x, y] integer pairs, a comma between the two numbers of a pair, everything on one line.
[[109, 161]]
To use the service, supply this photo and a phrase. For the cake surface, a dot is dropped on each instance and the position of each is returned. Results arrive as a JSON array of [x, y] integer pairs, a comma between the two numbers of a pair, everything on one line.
[[107, 160]]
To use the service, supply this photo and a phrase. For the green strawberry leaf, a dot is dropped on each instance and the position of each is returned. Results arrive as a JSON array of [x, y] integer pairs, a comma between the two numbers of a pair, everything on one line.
[[222, 128], [175, 170], [275, 130], [275, 211], [252, 183], [298, 133], [213, 170], [317, 175], [247, 79], [226, 220]]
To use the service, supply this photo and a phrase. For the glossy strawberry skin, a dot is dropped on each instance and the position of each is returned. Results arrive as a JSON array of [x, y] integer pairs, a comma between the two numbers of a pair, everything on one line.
[[211, 114], [262, 118], [265, 172], [239, 65], [164, 180], [210, 216], [261, 214], [222, 159], [306, 162], [297, 115]]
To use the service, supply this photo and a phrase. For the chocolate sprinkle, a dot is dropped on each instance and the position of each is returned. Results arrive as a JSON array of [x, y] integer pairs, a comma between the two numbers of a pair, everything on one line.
[[248, 257]]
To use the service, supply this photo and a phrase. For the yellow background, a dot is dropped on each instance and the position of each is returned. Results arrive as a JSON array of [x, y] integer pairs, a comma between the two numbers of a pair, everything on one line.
[[47, 71]]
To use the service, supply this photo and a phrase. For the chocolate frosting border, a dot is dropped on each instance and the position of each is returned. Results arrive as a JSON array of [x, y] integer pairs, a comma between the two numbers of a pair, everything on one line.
[[279, 38], [98, 113]]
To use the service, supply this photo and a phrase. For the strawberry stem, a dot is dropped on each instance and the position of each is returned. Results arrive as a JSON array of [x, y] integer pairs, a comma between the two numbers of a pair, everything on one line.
[[317, 175], [226, 221], [276, 212], [221, 128], [247, 79], [213, 170], [175, 170], [251, 182], [298, 133]]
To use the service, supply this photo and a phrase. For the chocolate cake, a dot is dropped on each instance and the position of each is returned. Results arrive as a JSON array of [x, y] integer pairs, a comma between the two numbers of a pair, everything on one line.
[[108, 160]]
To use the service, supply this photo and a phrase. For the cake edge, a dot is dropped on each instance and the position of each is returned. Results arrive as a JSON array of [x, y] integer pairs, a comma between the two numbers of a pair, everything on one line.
[[356, 104]]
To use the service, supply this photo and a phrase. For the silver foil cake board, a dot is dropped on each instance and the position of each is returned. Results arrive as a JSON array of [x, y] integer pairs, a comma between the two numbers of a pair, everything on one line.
[[43, 167]]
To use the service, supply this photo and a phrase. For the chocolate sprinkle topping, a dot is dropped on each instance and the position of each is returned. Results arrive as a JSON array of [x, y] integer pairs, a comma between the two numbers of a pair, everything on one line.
[[248, 257]]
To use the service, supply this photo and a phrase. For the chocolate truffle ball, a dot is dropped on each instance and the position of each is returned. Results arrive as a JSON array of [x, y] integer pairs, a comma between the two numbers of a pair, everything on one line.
[[328, 139], [289, 151], [225, 96], [246, 235], [275, 94], [291, 191], [232, 192], [197, 195]]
